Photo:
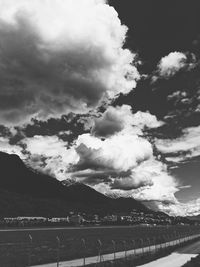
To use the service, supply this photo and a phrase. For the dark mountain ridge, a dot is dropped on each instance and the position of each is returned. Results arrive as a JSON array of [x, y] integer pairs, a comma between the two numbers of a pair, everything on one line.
[[36, 194]]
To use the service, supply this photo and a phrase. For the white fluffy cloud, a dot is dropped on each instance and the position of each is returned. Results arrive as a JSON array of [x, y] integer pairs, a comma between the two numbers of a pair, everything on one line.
[[120, 152], [50, 155], [164, 186], [184, 147], [124, 165], [145, 119], [172, 63], [191, 208], [58, 56], [90, 159], [155, 184]]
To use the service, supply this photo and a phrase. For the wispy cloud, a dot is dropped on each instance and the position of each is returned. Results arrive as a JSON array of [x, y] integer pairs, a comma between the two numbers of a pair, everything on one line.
[[185, 147]]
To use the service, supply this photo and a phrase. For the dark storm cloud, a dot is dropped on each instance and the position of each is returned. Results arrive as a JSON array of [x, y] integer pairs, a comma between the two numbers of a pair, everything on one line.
[[28, 81], [121, 118], [52, 61], [106, 126], [112, 121]]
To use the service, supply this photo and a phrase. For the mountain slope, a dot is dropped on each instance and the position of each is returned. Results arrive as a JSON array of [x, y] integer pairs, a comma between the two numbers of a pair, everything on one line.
[[41, 194]]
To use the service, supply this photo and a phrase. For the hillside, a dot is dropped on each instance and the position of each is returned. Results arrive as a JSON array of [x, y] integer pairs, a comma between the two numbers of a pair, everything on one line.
[[26, 192]]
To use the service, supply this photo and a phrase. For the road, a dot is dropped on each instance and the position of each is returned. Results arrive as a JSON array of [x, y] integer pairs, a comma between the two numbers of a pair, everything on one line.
[[177, 258], [63, 228]]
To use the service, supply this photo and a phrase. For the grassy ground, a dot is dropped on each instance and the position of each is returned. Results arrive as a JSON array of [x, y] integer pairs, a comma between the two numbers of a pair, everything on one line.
[[15, 247]]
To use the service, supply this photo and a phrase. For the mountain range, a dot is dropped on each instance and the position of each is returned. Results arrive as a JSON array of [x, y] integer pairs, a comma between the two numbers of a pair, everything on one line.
[[25, 192]]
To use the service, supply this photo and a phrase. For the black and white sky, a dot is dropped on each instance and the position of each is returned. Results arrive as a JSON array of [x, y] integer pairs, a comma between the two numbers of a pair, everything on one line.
[[106, 94]]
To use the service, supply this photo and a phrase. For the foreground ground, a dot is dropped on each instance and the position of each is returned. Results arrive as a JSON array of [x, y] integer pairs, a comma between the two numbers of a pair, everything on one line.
[[177, 258], [16, 248]]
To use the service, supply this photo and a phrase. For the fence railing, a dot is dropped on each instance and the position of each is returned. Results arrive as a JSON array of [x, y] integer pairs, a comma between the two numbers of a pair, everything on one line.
[[33, 253]]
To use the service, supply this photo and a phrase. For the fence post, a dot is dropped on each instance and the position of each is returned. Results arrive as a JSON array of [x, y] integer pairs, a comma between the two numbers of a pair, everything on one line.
[[99, 249], [154, 241], [142, 243], [160, 240], [30, 249], [166, 241], [178, 236], [114, 249], [184, 237], [175, 241], [125, 251], [58, 250], [149, 242], [133, 241], [84, 246]]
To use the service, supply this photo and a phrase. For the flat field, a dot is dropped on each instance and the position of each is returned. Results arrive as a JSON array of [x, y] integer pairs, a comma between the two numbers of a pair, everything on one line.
[[16, 249]]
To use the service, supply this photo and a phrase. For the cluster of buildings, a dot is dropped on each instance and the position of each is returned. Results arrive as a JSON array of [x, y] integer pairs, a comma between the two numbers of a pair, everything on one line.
[[133, 218], [74, 219], [137, 217]]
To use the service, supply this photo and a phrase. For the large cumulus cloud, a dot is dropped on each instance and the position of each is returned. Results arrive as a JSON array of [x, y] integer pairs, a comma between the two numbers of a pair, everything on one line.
[[122, 162], [60, 56], [112, 161], [120, 152], [91, 160]]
